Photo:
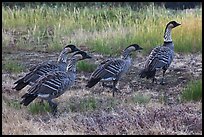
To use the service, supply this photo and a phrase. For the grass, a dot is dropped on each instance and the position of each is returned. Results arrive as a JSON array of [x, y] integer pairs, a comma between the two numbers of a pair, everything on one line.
[[37, 107], [104, 30], [85, 66], [141, 99], [12, 66], [12, 103], [88, 104], [193, 91], [82, 105], [91, 104]]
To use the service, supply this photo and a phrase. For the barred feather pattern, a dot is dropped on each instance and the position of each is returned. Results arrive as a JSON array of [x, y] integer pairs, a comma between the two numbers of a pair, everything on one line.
[[114, 68], [160, 57], [109, 70], [55, 83], [42, 69], [38, 71], [111, 67], [52, 85]]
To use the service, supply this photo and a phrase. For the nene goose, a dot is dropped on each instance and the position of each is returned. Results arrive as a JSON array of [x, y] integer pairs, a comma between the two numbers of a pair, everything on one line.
[[55, 83], [161, 56], [45, 67], [111, 70]]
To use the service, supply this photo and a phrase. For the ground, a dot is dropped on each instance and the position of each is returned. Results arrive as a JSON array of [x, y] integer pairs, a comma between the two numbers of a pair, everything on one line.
[[162, 113]]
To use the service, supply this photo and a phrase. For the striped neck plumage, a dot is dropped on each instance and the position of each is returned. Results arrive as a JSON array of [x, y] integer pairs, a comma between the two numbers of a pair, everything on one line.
[[167, 35], [62, 57], [71, 67], [126, 54]]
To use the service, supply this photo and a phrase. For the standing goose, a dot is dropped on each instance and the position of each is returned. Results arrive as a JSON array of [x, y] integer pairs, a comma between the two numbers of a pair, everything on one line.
[[45, 67], [160, 57], [112, 69], [55, 83]]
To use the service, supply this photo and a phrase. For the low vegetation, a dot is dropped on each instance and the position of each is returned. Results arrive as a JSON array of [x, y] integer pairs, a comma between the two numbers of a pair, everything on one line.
[[193, 91], [105, 30], [39, 107], [86, 66], [12, 66], [13, 103], [141, 98], [82, 105]]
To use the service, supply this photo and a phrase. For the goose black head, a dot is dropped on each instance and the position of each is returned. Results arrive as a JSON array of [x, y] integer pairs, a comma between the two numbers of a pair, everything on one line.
[[134, 47], [80, 55], [173, 24], [71, 48]]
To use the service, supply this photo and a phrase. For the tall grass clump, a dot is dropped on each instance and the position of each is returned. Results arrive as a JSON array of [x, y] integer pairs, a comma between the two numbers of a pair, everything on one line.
[[193, 91], [105, 30], [37, 107]]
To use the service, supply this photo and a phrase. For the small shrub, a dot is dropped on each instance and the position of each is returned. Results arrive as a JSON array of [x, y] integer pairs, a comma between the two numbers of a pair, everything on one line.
[[88, 104], [85, 104], [193, 91], [37, 107]]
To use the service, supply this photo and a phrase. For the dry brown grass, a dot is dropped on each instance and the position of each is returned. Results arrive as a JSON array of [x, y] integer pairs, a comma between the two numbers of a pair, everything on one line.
[[125, 117], [118, 115]]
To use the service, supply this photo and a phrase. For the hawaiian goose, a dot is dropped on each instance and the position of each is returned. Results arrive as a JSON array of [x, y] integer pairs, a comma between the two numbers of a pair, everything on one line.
[[55, 83], [160, 57], [111, 70], [45, 67]]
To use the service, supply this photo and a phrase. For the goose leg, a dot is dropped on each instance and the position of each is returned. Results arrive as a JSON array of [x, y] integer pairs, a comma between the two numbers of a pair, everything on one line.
[[114, 87], [53, 106], [154, 80], [162, 80]]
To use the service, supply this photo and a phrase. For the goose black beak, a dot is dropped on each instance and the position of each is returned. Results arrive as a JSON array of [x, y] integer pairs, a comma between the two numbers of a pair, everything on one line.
[[178, 24]]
